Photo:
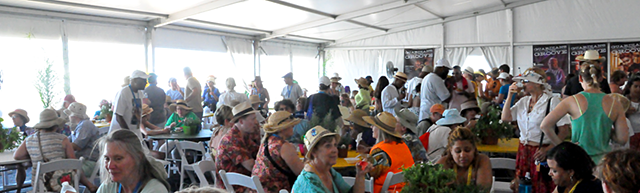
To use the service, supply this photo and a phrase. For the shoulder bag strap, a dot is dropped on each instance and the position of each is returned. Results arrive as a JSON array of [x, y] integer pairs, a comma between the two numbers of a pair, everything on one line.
[[545, 114], [40, 147], [287, 173]]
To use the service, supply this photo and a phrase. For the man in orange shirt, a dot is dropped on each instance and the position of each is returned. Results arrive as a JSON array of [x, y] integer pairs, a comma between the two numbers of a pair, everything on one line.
[[493, 85]]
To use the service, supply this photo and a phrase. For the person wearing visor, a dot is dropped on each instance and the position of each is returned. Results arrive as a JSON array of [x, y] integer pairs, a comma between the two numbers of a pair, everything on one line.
[[529, 113]]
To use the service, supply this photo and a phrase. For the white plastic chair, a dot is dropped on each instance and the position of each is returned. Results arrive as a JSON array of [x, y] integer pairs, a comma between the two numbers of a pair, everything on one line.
[[502, 163], [368, 183], [185, 166], [232, 178], [63, 164], [392, 179], [94, 173], [203, 167]]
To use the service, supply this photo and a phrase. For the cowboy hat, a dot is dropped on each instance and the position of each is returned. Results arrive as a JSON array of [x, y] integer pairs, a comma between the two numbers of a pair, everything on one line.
[[362, 82], [257, 79], [356, 117], [77, 109], [385, 122], [254, 99], [49, 118], [314, 135], [335, 77], [21, 112], [468, 70], [400, 76], [181, 103], [241, 110], [469, 105], [146, 110], [408, 119], [279, 121], [451, 117], [591, 55]]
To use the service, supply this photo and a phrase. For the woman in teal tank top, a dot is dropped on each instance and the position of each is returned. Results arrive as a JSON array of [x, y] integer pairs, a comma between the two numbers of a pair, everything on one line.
[[596, 118]]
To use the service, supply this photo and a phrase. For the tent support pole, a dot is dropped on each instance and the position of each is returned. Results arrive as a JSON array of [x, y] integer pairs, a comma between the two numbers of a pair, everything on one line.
[[510, 23]]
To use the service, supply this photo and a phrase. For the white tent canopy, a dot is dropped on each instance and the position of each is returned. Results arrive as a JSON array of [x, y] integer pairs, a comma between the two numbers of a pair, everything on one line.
[[244, 38]]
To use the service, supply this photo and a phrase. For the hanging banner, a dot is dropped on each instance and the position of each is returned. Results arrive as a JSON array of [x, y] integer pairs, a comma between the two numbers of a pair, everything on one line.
[[576, 50], [625, 56], [415, 59], [553, 60]]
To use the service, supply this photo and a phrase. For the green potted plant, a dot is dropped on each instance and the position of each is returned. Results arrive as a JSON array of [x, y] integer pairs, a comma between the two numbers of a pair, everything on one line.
[[10, 138], [190, 126], [490, 127], [106, 112], [343, 146], [429, 178]]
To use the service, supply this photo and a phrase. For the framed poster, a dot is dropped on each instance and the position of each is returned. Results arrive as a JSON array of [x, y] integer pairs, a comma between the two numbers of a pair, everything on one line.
[[625, 56], [415, 59], [553, 59]]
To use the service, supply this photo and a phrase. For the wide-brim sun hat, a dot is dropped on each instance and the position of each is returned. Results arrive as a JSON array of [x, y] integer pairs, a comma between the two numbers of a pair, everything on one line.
[[356, 117], [408, 119], [76, 109], [180, 103], [591, 55], [531, 76], [469, 105], [362, 82], [451, 117], [335, 77], [400, 76], [279, 121], [241, 110], [20, 112], [146, 110], [49, 118], [385, 122], [313, 136], [254, 99]]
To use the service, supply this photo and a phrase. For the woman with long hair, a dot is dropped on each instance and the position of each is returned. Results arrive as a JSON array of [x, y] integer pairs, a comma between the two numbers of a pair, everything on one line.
[[223, 116], [462, 156], [593, 115], [572, 169], [125, 168], [383, 82]]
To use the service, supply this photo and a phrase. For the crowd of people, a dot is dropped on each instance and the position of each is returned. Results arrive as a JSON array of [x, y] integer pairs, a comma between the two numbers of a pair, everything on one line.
[[573, 141]]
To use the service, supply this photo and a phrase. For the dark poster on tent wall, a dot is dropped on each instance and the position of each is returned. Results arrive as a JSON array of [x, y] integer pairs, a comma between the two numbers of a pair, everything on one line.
[[625, 56], [576, 50], [553, 59], [415, 59]]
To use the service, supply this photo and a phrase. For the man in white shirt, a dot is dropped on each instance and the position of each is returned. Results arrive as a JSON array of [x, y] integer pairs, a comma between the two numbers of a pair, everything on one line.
[[462, 89], [433, 90], [231, 98], [391, 97], [413, 82], [292, 91], [439, 133], [128, 103]]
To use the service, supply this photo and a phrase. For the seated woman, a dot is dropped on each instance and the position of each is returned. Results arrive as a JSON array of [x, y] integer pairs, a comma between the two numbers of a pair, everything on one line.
[[363, 141], [125, 168], [278, 165], [571, 169], [469, 110], [462, 156], [20, 119], [619, 171], [223, 116], [47, 145], [318, 174], [300, 128], [390, 154]]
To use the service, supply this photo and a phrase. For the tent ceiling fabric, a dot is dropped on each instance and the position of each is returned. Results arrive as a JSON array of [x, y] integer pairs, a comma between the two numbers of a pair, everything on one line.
[[277, 18]]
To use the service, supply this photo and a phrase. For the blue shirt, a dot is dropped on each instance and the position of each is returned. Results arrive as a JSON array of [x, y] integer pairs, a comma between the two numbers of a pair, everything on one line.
[[299, 130], [310, 182], [84, 136], [174, 94], [504, 89], [208, 99]]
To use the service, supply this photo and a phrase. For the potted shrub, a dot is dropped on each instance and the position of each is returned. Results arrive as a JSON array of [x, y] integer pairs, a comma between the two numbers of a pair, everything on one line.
[[106, 112], [190, 126], [343, 146], [10, 138], [490, 127], [428, 178]]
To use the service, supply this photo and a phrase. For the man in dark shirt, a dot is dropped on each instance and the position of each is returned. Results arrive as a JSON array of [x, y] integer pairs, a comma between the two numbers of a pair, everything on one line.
[[322, 103], [574, 87]]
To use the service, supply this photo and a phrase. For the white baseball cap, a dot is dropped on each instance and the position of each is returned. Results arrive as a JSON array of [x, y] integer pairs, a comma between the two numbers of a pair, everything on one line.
[[324, 80], [139, 74], [443, 63], [503, 75]]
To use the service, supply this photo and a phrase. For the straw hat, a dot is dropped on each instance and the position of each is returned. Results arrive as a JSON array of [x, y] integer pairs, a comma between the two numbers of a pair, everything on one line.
[[469, 105], [20, 112], [400, 76], [180, 103], [624, 101], [279, 121], [427, 68], [591, 55], [385, 122], [77, 109], [146, 110], [356, 117], [49, 118], [335, 77], [167, 99], [408, 119], [362, 82], [211, 78], [345, 112], [314, 135], [241, 110], [254, 99], [468, 70], [451, 117]]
